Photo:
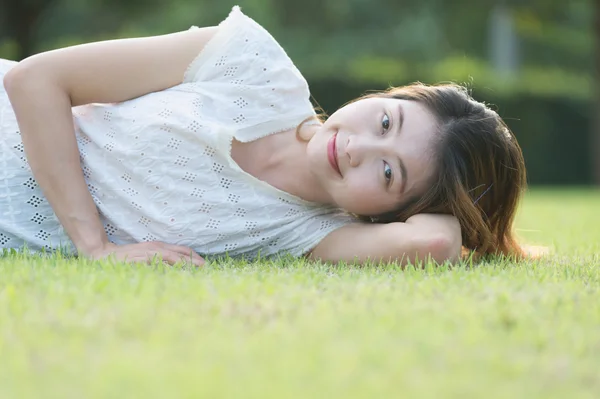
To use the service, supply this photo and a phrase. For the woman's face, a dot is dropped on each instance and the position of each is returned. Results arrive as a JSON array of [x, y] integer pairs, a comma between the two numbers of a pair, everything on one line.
[[373, 154]]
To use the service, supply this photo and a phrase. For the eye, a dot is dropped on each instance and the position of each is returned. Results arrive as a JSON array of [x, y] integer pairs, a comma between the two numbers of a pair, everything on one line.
[[387, 172], [385, 123]]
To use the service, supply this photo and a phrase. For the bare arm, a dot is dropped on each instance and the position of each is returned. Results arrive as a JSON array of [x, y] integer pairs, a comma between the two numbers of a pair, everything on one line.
[[419, 237], [43, 88]]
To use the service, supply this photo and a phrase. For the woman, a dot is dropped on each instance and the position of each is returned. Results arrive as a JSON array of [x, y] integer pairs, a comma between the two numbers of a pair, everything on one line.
[[205, 141]]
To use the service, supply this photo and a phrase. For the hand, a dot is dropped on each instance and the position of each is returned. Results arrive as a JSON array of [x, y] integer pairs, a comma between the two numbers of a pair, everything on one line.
[[146, 251]]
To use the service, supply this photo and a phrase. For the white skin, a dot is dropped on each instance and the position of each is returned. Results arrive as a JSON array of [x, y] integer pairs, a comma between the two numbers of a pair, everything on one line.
[[373, 134]]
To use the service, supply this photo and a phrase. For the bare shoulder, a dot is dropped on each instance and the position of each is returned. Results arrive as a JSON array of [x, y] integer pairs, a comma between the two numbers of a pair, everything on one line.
[[419, 237]]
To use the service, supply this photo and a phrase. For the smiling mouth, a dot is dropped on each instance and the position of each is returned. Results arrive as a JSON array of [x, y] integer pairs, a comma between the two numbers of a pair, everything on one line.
[[332, 154]]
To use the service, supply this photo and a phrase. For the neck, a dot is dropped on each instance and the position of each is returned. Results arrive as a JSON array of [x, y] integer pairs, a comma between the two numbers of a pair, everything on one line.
[[287, 163]]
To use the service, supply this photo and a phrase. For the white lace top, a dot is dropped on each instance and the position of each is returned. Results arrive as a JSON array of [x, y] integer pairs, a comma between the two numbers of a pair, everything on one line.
[[159, 166]]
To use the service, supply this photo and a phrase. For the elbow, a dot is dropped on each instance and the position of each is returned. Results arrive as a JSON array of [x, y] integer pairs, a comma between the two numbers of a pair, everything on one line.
[[16, 72], [442, 248], [9, 79], [26, 76], [15, 78], [25, 81]]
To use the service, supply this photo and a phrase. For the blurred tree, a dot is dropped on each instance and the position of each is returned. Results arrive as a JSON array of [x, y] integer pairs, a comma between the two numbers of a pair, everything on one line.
[[347, 47], [20, 19], [503, 41], [595, 136]]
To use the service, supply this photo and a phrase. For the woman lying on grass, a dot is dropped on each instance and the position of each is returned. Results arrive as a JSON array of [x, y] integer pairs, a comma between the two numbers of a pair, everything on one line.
[[205, 142]]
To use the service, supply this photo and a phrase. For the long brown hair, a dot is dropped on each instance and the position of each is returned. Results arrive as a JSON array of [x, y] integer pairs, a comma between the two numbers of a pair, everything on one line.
[[479, 173]]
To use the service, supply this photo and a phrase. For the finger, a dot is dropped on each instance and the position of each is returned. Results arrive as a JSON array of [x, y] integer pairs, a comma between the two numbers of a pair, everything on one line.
[[172, 257], [196, 261], [164, 256], [187, 251]]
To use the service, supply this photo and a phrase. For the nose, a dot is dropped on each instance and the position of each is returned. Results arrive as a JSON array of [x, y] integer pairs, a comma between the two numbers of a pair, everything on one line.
[[360, 148]]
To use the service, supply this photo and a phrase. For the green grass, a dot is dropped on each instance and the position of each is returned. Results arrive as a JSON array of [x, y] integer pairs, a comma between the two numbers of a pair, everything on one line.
[[496, 330]]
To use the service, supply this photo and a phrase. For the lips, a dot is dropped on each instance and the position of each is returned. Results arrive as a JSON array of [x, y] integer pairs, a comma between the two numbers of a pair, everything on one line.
[[332, 154]]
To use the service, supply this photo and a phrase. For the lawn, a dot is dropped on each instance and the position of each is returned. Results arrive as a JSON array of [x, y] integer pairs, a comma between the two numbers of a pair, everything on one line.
[[294, 329]]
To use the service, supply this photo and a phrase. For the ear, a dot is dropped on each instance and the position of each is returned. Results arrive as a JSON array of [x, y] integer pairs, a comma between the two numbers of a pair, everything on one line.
[[308, 128]]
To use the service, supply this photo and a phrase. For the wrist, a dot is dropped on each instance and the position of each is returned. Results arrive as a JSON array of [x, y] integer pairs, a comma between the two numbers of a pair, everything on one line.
[[89, 245]]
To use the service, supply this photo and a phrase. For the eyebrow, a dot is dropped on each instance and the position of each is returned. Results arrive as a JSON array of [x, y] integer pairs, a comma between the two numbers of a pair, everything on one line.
[[400, 162]]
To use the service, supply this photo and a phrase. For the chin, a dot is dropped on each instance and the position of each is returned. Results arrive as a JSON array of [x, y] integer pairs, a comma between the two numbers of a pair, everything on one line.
[[351, 209], [361, 211]]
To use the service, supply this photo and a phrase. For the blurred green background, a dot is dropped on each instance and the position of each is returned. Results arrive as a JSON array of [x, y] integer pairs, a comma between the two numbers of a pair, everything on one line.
[[534, 61]]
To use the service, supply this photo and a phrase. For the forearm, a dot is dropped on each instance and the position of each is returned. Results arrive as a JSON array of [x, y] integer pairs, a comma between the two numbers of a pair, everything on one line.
[[421, 237], [44, 115]]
